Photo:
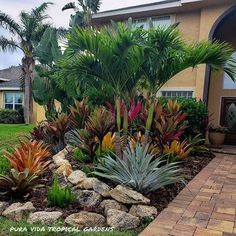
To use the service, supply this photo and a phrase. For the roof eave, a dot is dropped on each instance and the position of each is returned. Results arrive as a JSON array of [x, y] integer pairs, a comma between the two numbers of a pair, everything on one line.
[[141, 8]]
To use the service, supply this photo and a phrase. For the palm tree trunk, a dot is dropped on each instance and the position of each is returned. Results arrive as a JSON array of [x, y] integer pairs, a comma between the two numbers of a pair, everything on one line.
[[125, 126], [148, 124], [118, 129], [28, 68]]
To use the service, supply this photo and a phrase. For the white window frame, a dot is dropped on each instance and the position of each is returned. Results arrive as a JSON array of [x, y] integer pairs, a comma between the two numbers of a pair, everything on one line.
[[146, 19], [14, 103], [176, 89]]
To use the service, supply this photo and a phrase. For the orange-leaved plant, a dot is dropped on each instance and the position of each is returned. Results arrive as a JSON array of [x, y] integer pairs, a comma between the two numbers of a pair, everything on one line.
[[29, 155]]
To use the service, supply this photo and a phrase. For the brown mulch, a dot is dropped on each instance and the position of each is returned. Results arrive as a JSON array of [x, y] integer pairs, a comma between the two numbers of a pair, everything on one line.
[[160, 198]]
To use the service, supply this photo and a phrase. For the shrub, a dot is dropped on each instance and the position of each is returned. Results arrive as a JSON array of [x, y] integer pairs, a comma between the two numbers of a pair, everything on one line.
[[197, 115], [58, 196], [8, 116], [31, 156], [139, 169], [18, 184]]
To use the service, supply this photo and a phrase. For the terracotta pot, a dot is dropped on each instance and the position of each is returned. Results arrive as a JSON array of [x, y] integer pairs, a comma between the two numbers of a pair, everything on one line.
[[216, 138]]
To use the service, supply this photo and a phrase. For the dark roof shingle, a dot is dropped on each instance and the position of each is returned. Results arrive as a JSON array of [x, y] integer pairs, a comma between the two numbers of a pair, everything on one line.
[[11, 74]]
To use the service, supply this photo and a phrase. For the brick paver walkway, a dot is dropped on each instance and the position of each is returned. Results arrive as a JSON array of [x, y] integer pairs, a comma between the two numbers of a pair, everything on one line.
[[206, 207]]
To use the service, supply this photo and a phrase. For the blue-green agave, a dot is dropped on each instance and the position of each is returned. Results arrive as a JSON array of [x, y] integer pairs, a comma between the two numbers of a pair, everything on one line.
[[139, 170]]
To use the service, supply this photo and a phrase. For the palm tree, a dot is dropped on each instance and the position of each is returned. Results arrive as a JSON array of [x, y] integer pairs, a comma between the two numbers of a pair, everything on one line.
[[109, 56], [26, 34], [84, 10], [167, 54]]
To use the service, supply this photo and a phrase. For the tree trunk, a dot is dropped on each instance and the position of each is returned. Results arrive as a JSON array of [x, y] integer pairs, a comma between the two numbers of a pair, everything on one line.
[[118, 148], [148, 124], [28, 68]]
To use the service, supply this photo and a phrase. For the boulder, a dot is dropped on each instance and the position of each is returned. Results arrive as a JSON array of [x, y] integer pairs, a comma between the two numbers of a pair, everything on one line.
[[44, 217], [85, 219], [76, 176], [128, 196], [121, 220], [18, 211], [143, 211], [89, 199], [65, 169], [86, 183], [3, 206], [60, 155], [112, 204], [59, 162], [102, 188]]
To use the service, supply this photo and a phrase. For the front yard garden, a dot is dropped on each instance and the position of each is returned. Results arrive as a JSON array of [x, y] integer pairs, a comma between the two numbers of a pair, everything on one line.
[[114, 155]]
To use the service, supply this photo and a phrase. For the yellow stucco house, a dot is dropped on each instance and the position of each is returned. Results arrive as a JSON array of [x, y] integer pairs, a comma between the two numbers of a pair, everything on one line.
[[12, 95], [198, 20]]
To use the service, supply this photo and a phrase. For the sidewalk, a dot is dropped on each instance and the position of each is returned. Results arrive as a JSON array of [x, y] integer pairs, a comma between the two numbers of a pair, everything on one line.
[[206, 207]]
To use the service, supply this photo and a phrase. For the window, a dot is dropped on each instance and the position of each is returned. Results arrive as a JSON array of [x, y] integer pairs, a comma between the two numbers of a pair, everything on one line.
[[228, 83], [13, 100], [156, 21], [174, 94]]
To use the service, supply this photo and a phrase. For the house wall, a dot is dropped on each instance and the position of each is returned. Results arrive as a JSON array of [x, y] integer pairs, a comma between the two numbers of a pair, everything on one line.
[[196, 26], [1, 100]]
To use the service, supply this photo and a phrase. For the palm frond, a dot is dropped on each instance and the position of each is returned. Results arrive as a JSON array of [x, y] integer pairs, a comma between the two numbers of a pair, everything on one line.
[[8, 23], [70, 5], [39, 11], [94, 5], [8, 45]]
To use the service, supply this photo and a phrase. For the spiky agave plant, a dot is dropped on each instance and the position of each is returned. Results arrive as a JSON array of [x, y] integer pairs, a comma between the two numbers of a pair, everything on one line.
[[139, 169]]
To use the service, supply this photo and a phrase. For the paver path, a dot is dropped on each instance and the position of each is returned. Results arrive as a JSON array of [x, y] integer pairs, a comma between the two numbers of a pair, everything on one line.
[[206, 207]]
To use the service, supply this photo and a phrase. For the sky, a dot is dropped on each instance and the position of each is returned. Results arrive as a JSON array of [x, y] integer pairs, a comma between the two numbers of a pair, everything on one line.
[[14, 7]]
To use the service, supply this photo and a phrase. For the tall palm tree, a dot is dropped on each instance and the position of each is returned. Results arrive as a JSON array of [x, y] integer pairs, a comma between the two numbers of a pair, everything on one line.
[[26, 34], [110, 56], [84, 10], [167, 54]]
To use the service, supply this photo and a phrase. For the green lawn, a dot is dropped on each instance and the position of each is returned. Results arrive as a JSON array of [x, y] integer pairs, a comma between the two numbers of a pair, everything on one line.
[[9, 228], [9, 137]]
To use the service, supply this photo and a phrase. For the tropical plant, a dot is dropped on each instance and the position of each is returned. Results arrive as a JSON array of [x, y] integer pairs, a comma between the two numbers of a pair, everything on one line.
[[25, 35], [47, 52], [59, 196], [108, 142], [177, 150], [18, 184], [99, 124], [79, 114], [85, 141], [198, 145], [169, 123], [166, 54], [197, 114], [57, 127], [31, 156], [139, 169], [109, 56], [83, 11]]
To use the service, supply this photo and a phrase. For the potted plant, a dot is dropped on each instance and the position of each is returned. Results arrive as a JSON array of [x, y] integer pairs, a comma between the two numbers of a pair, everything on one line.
[[217, 134]]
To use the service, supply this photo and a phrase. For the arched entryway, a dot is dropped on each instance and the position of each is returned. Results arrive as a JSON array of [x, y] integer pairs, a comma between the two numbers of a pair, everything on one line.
[[220, 91]]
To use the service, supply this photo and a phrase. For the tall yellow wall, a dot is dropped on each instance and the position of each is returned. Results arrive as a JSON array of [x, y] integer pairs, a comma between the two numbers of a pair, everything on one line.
[[195, 26], [1, 100]]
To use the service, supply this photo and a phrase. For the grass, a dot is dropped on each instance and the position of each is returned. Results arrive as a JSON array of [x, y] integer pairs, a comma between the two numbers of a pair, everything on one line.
[[8, 228], [9, 137]]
